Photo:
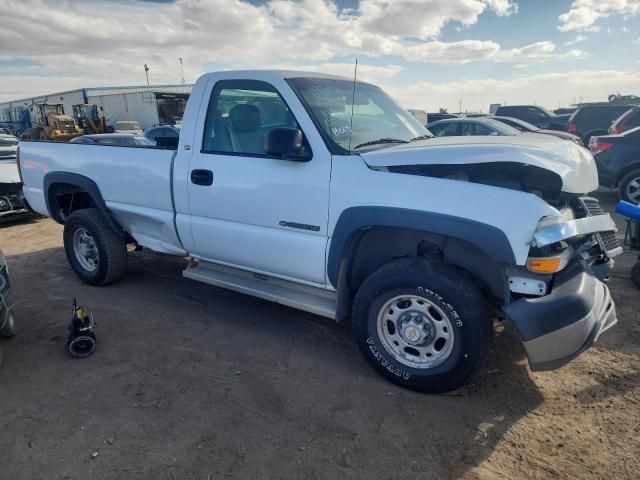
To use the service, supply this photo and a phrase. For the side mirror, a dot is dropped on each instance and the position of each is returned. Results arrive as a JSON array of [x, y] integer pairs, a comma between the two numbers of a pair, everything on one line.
[[286, 144]]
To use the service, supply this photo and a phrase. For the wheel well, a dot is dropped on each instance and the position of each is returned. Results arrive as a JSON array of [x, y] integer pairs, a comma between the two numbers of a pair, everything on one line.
[[626, 171], [373, 247], [67, 198]]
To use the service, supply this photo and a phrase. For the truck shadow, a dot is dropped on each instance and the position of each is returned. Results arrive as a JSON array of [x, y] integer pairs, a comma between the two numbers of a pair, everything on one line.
[[245, 387]]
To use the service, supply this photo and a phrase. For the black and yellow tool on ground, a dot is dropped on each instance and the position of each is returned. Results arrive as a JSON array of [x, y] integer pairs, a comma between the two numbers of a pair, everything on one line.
[[82, 340]]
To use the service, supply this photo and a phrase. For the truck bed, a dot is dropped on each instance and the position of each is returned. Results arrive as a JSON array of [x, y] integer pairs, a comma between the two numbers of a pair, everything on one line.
[[134, 182]]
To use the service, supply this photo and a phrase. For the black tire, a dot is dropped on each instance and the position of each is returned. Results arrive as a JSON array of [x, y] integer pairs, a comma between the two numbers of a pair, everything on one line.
[[452, 292], [7, 325], [82, 345], [624, 184], [635, 274], [111, 248]]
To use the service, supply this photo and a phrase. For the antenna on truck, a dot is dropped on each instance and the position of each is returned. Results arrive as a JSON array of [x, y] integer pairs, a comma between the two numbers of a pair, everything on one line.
[[353, 101]]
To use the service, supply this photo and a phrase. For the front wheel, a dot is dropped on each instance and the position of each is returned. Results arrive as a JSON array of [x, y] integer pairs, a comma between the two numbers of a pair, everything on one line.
[[422, 324], [629, 188], [96, 253]]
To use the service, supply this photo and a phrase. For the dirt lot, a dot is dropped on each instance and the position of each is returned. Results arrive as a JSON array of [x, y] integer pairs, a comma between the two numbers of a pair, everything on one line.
[[192, 381]]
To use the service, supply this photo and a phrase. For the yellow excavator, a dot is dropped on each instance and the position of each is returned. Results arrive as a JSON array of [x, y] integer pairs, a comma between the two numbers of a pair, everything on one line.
[[90, 118], [49, 122]]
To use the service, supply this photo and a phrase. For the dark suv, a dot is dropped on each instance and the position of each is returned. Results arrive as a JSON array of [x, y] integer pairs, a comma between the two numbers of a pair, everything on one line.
[[628, 120], [618, 161], [594, 120], [538, 116]]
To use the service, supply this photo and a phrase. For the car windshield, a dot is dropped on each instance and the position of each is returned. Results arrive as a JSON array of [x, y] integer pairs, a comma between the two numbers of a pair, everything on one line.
[[518, 124], [356, 119], [500, 127]]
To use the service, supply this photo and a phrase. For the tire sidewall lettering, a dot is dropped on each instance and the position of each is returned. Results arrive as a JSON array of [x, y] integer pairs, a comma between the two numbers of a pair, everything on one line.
[[379, 357]]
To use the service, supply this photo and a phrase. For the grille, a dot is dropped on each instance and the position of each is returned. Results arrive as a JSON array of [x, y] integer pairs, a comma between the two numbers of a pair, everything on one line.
[[607, 240], [593, 207], [610, 241], [67, 126]]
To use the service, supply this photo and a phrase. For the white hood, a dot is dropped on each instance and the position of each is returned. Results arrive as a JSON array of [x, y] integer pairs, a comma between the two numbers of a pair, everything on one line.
[[574, 164], [9, 171]]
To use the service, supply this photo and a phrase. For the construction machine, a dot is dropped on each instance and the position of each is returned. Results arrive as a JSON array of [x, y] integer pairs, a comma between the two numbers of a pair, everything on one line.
[[90, 118], [48, 122]]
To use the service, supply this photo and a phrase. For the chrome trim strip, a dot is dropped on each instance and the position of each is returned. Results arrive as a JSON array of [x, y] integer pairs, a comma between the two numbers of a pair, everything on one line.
[[573, 228]]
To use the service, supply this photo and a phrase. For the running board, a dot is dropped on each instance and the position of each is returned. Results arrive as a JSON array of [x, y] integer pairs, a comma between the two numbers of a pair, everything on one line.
[[303, 297]]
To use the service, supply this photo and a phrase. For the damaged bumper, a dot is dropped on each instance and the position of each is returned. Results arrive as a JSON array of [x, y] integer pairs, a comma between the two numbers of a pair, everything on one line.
[[558, 327]]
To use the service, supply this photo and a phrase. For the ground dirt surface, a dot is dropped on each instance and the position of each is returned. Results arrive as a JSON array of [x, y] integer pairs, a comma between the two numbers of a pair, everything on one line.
[[190, 381]]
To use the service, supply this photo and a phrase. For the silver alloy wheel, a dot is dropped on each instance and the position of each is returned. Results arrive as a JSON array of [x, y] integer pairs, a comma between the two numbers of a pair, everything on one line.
[[633, 190], [85, 249], [415, 331]]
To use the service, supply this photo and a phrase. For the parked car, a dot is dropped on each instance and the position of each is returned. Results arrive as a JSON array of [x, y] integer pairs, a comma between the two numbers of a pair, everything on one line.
[[618, 161], [321, 193], [523, 126], [435, 116], [594, 120], [114, 139], [164, 136], [128, 126], [534, 114], [628, 120], [464, 126], [11, 199]]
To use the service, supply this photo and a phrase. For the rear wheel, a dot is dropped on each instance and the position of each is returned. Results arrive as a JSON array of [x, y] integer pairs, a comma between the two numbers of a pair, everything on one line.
[[43, 135], [422, 324], [629, 187], [7, 325], [96, 253]]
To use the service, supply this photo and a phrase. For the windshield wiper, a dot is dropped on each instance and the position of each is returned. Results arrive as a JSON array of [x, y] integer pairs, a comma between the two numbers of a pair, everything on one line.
[[381, 140], [421, 137]]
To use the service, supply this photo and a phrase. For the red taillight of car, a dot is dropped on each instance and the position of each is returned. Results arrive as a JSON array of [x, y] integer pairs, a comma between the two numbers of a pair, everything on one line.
[[18, 164], [599, 147], [571, 128]]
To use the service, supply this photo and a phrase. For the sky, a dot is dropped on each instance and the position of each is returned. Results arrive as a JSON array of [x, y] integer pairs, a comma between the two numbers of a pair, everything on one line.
[[427, 54]]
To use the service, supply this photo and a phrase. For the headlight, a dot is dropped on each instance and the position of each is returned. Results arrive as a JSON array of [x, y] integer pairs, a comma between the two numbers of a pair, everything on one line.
[[566, 215]]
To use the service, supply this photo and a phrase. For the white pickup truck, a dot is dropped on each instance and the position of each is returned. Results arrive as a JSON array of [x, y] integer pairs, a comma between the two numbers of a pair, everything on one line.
[[321, 193]]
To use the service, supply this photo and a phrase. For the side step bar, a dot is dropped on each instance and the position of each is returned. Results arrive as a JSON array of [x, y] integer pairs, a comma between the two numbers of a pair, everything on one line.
[[310, 299]]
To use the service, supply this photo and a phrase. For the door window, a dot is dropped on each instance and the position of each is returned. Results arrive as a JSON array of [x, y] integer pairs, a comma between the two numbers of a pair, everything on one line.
[[240, 115], [474, 129], [444, 129]]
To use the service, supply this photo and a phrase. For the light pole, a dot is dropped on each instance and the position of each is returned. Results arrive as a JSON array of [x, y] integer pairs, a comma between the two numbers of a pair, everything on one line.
[[146, 72], [182, 70]]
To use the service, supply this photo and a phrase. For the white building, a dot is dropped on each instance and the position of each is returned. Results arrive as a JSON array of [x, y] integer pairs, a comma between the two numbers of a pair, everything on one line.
[[155, 105]]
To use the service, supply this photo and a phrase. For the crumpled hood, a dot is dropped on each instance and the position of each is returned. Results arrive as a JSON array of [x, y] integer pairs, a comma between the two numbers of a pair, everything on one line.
[[573, 164], [9, 171]]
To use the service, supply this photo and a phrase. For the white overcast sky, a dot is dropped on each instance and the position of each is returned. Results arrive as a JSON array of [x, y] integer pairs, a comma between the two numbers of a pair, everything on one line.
[[426, 53]]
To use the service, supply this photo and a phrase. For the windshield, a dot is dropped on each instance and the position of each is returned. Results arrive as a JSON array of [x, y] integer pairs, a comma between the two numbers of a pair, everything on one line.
[[53, 110], [501, 128], [375, 115]]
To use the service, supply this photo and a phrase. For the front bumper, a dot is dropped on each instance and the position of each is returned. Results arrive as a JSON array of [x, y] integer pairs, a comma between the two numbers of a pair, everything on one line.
[[560, 326]]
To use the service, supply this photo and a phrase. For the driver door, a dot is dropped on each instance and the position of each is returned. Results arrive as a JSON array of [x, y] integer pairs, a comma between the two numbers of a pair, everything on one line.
[[248, 209]]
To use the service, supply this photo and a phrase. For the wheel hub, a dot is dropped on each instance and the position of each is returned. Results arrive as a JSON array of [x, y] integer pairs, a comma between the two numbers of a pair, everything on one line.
[[85, 249], [416, 328], [416, 331]]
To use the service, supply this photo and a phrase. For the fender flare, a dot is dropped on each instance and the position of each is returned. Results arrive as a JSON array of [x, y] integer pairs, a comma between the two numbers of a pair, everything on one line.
[[85, 184], [491, 240]]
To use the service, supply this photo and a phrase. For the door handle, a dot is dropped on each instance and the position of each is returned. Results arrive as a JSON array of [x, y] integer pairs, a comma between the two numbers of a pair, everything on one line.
[[202, 177]]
